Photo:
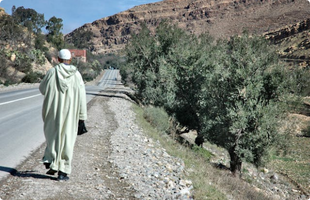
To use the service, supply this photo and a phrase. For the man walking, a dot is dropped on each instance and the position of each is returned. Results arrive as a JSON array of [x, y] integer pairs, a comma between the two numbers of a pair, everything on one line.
[[64, 105]]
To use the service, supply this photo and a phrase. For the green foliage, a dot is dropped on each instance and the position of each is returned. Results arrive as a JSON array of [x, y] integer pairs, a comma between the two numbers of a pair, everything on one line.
[[54, 35], [244, 98], [29, 18], [191, 57], [54, 25], [96, 66], [33, 77], [306, 132], [22, 61], [234, 92], [207, 155], [158, 118], [166, 68], [39, 43], [10, 32], [3, 61], [153, 73], [140, 55], [299, 79], [37, 56], [8, 82], [126, 74]]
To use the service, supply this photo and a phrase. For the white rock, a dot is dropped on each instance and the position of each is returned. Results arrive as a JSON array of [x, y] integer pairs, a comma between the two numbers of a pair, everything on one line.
[[185, 191]]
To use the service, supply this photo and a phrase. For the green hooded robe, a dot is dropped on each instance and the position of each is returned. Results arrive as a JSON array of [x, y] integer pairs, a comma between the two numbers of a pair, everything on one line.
[[64, 105]]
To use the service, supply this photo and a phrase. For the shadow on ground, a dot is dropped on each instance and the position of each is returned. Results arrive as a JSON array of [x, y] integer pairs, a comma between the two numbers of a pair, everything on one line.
[[25, 174]]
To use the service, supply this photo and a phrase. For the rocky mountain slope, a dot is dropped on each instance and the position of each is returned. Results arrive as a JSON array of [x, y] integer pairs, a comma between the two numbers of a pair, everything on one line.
[[293, 42], [221, 18]]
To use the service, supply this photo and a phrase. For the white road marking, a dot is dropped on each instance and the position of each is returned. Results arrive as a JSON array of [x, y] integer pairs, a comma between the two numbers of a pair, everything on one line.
[[19, 99]]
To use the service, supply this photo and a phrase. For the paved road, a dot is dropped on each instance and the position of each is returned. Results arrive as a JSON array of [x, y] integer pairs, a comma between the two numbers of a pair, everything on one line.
[[21, 126]]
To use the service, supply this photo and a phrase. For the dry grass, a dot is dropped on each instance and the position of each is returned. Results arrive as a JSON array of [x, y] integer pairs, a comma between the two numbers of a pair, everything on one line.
[[209, 182], [295, 164]]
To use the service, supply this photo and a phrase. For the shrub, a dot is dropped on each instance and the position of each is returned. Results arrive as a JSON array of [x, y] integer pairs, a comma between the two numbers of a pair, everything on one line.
[[306, 132], [158, 118], [207, 155], [33, 77]]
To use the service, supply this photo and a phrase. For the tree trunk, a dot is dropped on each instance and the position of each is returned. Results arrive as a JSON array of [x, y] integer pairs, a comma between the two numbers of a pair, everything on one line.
[[235, 162]]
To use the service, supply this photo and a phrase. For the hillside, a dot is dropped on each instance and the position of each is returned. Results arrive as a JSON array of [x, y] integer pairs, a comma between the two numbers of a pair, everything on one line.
[[293, 42], [221, 18]]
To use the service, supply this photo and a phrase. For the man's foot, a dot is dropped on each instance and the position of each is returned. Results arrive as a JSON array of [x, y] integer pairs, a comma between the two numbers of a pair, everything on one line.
[[47, 165], [51, 172], [62, 176]]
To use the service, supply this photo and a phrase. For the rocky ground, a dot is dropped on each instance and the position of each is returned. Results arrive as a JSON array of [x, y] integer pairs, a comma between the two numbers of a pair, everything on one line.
[[113, 160]]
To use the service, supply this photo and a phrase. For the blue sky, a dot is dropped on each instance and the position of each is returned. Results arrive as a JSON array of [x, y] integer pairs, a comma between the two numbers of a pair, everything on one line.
[[74, 13]]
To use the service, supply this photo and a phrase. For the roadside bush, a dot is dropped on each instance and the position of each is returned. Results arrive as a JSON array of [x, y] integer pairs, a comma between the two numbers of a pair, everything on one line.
[[23, 63], [306, 132], [158, 118], [39, 42], [88, 76], [37, 56], [124, 72], [9, 82], [3, 61], [207, 155], [33, 77]]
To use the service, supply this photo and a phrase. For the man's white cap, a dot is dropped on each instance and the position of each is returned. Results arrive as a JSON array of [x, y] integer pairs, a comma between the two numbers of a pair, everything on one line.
[[64, 54]]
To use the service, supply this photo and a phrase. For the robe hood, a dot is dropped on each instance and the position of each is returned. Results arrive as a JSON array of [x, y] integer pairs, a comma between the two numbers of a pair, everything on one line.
[[63, 75]]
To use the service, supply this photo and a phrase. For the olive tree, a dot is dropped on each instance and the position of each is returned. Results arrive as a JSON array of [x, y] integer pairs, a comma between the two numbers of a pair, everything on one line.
[[152, 74], [190, 56], [232, 91], [242, 99]]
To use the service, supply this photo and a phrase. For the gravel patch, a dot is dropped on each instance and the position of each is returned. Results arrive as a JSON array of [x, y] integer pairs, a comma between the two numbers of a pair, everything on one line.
[[151, 171]]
